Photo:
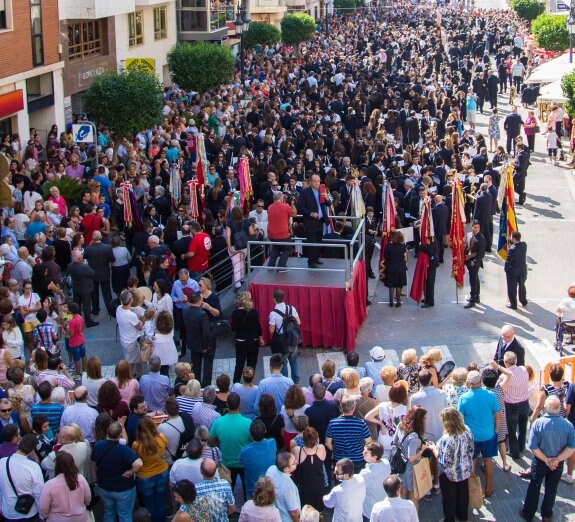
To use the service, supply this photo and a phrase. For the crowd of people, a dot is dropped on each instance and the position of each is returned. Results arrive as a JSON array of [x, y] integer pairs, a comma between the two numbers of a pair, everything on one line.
[[383, 98]]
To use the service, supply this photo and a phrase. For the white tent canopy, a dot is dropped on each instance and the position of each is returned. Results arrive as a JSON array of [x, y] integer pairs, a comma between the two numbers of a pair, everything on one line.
[[552, 70], [552, 92]]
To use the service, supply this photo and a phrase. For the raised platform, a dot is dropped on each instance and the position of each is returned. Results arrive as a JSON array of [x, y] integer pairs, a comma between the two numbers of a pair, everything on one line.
[[331, 309]]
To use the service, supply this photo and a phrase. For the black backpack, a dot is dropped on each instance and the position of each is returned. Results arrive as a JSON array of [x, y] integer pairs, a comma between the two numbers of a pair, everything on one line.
[[397, 459], [185, 436], [289, 334]]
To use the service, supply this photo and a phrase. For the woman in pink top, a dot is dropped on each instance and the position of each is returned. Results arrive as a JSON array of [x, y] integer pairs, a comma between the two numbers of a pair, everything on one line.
[[65, 497], [125, 381]]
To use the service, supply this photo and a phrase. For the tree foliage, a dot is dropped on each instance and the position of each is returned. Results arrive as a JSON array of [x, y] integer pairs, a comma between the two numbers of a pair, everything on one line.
[[297, 27], [551, 32], [568, 87], [528, 9], [262, 34], [200, 66], [346, 6], [126, 101]]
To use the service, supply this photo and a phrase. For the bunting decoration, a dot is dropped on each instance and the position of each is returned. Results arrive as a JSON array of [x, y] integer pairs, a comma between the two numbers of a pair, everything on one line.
[[387, 224], [426, 232], [194, 207], [457, 233], [357, 203], [246, 192], [128, 218], [202, 159], [175, 182], [507, 218]]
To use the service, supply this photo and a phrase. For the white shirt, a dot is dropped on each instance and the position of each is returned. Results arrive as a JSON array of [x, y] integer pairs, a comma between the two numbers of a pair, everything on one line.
[[347, 499], [29, 302], [172, 429], [396, 509], [187, 469], [567, 307], [261, 220], [277, 319], [127, 322], [28, 479], [373, 475], [80, 452]]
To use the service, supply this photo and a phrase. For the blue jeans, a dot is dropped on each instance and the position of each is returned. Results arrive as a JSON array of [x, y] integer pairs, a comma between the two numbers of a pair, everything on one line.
[[291, 357], [117, 504], [539, 472], [152, 492]]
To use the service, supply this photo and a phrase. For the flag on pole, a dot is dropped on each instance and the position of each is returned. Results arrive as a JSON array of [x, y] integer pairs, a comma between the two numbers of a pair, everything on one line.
[[246, 192], [426, 233], [457, 233], [387, 223], [202, 158], [507, 218]]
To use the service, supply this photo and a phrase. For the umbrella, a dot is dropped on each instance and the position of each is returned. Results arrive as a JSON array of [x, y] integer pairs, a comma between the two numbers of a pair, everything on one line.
[[551, 71]]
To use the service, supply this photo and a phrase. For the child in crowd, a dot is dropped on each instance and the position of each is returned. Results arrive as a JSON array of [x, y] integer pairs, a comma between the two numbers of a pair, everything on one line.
[[76, 341], [44, 336], [552, 145], [149, 329]]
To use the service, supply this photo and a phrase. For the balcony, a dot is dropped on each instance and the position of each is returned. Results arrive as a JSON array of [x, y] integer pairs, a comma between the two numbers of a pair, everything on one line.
[[94, 9], [203, 23], [151, 3], [297, 4], [269, 6]]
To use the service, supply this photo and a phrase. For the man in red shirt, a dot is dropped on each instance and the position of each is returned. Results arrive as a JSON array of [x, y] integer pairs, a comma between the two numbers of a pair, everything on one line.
[[278, 230], [198, 253]]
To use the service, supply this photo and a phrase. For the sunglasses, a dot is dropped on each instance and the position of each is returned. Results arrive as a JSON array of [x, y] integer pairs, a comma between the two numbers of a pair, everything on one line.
[[6, 411]]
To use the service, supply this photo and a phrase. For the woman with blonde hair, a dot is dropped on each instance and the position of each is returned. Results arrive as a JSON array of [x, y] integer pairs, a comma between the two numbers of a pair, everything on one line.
[[454, 452], [388, 375], [192, 396], [350, 380], [125, 381], [152, 478], [428, 362], [261, 508], [409, 370], [456, 387], [247, 391]]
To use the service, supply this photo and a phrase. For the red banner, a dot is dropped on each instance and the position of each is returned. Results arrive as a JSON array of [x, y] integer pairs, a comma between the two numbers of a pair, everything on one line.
[[457, 233]]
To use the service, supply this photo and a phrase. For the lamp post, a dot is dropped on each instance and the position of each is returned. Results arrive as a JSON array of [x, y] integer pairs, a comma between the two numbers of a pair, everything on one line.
[[242, 24], [571, 28]]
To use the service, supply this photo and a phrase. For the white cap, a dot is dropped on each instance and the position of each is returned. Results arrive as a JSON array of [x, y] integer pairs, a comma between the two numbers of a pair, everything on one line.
[[377, 353]]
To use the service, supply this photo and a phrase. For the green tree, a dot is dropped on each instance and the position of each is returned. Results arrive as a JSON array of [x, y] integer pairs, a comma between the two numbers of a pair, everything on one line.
[[200, 66], [126, 101], [551, 32], [568, 87], [528, 9], [345, 6], [297, 28], [262, 34]]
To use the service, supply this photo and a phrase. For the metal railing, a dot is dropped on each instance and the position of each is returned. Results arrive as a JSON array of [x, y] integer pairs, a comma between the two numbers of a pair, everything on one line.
[[348, 245]]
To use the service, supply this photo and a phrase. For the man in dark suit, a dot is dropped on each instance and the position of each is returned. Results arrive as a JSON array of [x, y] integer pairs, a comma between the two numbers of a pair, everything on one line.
[[403, 116], [431, 251], [483, 213], [99, 257], [314, 216], [509, 343], [82, 285], [413, 132], [440, 215], [516, 270], [345, 194], [230, 183], [479, 161], [512, 126], [334, 252], [520, 173], [181, 246], [198, 336], [474, 252], [492, 83]]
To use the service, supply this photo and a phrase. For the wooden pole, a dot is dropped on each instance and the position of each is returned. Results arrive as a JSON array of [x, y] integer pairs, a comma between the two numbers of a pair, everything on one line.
[[456, 293]]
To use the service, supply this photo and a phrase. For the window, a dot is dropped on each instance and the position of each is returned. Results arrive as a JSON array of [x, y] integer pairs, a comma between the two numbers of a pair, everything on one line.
[[160, 23], [136, 28], [84, 39], [4, 14], [36, 30]]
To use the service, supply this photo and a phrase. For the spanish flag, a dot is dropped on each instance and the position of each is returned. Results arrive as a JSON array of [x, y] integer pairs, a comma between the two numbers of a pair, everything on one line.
[[507, 219]]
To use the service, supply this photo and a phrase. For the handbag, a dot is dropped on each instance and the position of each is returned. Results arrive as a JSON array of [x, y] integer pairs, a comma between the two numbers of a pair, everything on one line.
[[475, 492], [536, 129], [25, 502], [223, 471], [422, 481], [145, 349], [220, 327]]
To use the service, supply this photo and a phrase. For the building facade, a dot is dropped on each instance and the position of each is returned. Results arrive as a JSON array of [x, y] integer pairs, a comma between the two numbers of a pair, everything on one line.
[[31, 69]]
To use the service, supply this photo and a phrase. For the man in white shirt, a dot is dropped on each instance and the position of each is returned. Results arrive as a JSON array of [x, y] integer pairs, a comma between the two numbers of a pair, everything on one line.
[[26, 476], [81, 414], [188, 467], [129, 327], [261, 217], [348, 496], [287, 494], [69, 443], [276, 322], [393, 507], [375, 472]]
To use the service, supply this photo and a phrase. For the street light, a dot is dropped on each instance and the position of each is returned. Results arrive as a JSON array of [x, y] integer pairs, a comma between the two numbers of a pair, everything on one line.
[[571, 28], [242, 24]]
